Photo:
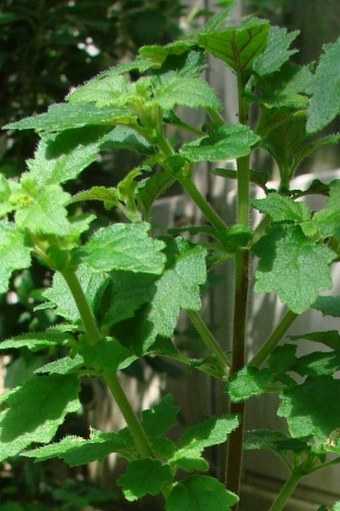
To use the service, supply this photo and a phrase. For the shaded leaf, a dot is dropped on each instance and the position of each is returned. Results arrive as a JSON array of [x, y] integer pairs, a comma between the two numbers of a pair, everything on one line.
[[202, 493], [274, 441], [162, 417], [287, 266], [228, 142], [237, 47], [37, 341], [15, 254], [328, 305], [144, 477], [105, 356], [330, 338], [53, 396], [65, 365], [156, 55]]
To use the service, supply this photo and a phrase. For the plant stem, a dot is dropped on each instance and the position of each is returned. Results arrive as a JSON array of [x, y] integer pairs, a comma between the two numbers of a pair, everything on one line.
[[132, 421], [111, 380], [210, 341], [273, 340], [286, 491], [83, 307], [215, 220]]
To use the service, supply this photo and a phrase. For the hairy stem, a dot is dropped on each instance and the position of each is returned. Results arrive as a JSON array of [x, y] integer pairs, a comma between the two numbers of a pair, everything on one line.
[[210, 342], [286, 491], [111, 380], [273, 340]]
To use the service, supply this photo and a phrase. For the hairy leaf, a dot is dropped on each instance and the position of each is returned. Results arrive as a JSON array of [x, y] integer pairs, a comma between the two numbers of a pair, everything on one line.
[[202, 493], [162, 417], [328, 219], [319, 363], [124, 247], [282, 208], [325, 89], [228, 142], [157, 55], [104, 91], [37, 341], [330, 338], [237, 47], [53, 397], [65, 365], [172, 90], [287, 266], [105, 356], [5, 193], [218, 20], [247, 383], [65, 116], [274, 441], [311, 408], [77, 451], [277, 51], [144, 477], [15, 254]]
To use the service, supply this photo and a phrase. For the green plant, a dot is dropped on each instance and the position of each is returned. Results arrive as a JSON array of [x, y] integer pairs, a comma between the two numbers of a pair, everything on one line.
[[119, 289]]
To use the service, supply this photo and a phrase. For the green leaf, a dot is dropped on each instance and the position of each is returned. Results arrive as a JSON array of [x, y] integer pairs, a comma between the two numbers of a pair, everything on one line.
[[105, 356], [201, 493], [15, 254], [177, 288], [37, 341], [282, 208], [123, 137], [5, 193], [328, 219], [248, 382], [330, 338], [228, 142], [287, 266], [282, 359], [325, 89], [144, 477], [65, 365], [211, 431], [328, 305], [156, 55], [108, 196], [69, 154], [45, 213], [64, 116], [104, 91], [77, 451], [162, 417], [274, 441], [172, 90], [336, 506], [35, 411], [319, 363], [124, 247], [312, 408], [60, 297], [237, 47], [277, 51], [218, 20]]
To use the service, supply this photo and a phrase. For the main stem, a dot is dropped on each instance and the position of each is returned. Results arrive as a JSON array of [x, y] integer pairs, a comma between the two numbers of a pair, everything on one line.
[[111, 380], [235, 443], [286, 491]]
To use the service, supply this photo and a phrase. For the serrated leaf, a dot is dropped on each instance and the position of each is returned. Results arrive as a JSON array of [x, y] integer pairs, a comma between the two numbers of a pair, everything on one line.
[[248, 382], [311, 408], [15, 254], [282, 359], [287, 266], [330, 338], [319, 363], [65, 116], [105, 356], [5, 193], [123, 137], [328, 219], [282, 208], [77, 451], [178, 288], [209, 432], [125, 247], [156, 55], [237, 47], [162, 417], [328, 305], [277, 51], [104, 91], [65, 365], [228, 142], [218, 20], [274, 441], [67, 156], [202, 493], [53, 397], [172, 90], [60, 297], [99, 193], [37, 341], [153, 187], [325, 89], [144, 477], [46, 214]]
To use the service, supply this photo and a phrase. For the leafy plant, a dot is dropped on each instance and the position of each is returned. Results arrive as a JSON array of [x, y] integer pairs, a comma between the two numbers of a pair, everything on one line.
[[119, 289]]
